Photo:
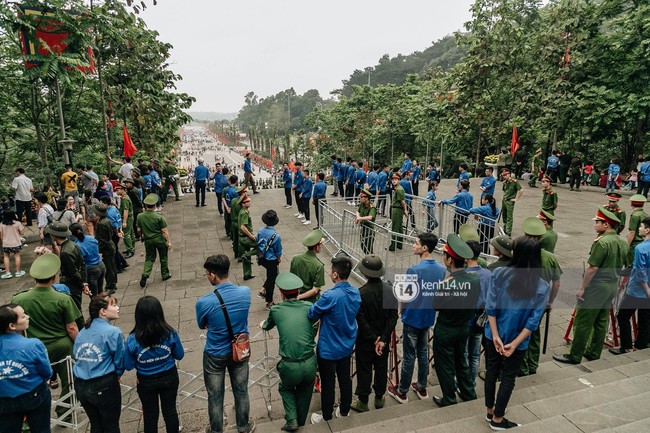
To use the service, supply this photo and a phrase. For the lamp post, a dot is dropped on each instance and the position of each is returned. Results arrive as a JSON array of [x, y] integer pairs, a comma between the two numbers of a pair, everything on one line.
[[67, 148]]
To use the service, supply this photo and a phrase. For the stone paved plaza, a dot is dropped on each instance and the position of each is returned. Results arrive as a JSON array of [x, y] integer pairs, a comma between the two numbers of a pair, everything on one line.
[[198, 233]]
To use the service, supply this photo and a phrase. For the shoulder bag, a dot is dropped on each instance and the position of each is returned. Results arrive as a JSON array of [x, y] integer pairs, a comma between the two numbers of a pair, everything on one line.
[[241, 347]]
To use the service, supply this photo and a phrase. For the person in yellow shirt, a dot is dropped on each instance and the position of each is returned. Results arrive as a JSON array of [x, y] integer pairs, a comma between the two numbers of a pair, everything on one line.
[[69, 182]]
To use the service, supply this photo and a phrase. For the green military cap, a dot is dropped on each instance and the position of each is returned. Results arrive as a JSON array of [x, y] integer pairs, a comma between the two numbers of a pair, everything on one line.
[[288, 282], [468, 233], [45, 266], [546, 215], [610, 218], [241, 189], [532, 226], [127, 179], [151, 199], [457, 248], [58, 229], [366, 192], [372, 266], [638, 200], [313, 238], [101, 209], [503, 244]]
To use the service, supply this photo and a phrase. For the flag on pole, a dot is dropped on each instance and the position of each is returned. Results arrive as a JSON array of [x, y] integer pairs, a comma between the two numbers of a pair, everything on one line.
[[273, 152], [515, 144], [129, 147]]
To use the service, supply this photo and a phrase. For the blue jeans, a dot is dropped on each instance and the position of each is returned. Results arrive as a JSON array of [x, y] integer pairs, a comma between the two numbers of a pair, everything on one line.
[[33, 405], [414, 343], [611, 185], [214, 374], [432, 223], [473, 355], [101, 398]]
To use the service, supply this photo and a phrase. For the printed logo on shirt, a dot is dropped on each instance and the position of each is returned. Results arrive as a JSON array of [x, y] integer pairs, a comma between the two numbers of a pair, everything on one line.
[[10, 369], [88, 352], [155, 358]]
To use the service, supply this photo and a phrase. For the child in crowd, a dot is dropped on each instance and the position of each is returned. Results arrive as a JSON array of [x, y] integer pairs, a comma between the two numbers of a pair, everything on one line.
[[10, 235]]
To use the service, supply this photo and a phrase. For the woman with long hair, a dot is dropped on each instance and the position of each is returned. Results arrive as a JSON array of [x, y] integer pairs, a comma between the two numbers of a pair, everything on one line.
[[99, 362], [487, 214], [95, 269], [151, 348], [515, 303]]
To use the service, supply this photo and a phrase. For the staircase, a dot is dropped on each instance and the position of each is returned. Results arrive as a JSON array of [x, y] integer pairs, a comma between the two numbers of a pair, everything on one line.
[[611, 394]]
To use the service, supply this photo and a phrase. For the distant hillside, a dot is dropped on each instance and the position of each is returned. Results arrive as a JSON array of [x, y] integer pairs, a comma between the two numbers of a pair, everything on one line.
[[211, 116], [443, 54]]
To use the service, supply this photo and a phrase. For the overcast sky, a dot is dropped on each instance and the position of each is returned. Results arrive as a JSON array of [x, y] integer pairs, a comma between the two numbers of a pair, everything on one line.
[[224, 49]]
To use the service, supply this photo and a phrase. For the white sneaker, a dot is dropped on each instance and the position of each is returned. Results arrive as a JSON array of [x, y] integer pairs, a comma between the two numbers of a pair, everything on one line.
[[337, 412], [296, 214], [307, 222], [19, 274], [6, 276], [286, 206], [302, 216], [316, 418]]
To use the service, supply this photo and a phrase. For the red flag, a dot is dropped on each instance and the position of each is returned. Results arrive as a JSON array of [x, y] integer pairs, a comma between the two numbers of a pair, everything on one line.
[[273, 152], [129, 147], [515, 144]]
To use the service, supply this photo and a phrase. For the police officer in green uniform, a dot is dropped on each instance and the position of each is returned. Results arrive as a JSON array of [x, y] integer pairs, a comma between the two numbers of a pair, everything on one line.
[[638, 215], [104, 236], [534, 228], [511, 193], [502, 248], [468, 233], [152, 230], [612, 206], [456, 299], [126, 212], [599, 286], [309, 268], [297, 368], [397, 213], [549, 199], [549, 240], [53, 317], [170, 172], [534, 168], [235, 208], [366, 214], [247, 239]]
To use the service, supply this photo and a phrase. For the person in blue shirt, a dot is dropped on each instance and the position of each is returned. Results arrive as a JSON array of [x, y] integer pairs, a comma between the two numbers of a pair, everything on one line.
[[488, 183], [113, 214], [350, 182], [487, 215], [24, 372], [463, 201], [340, 179], [337, 311], [382, 182], [336, 165], [359, 181], [515, 302], [613, 173], [463, 174], [406, 165], [429, 208], [552, 165], [287, 181], [228, 195], [217, 354], [371, 180], [636, 298], [305, 196], [644, 177], [319, 193], [248, 174], [297, 186], [415, 177], [201, 174], [432, 174], [269, 242], [156, 184], [152, 348], [219, 184], [146, 177], [99, 362], [418, 316], [95, 268]]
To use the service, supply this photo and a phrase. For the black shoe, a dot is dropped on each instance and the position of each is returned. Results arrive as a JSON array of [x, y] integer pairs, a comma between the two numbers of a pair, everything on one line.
[[196, 205], [248, 277], [255, 192], [203, 205], [589, 358], [617, 350], [178, 199], [119, 271], [438, 401], [290, 426], [564, 360], [166, 278], [143, 281], [505, 424], [129, 255]]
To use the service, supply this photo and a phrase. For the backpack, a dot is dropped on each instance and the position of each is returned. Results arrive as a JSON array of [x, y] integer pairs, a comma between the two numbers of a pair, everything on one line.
[[262, 252]]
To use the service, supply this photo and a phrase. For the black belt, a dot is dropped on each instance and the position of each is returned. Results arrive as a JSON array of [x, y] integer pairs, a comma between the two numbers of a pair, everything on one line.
[[304, 358]]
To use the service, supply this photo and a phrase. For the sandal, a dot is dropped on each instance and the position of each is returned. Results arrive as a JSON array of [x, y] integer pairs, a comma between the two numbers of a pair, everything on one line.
[[54, 384], [261, 295]]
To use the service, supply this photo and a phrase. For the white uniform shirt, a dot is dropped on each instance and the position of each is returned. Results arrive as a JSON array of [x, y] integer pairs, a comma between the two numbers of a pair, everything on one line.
[[23, 187]]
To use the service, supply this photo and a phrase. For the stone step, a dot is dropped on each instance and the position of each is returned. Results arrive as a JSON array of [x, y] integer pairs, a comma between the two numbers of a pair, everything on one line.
[[633, 427]]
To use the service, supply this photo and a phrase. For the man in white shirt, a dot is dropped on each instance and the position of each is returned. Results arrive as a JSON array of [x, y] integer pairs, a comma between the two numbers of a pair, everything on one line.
[[125, 169], [88, 177], [23, 189]]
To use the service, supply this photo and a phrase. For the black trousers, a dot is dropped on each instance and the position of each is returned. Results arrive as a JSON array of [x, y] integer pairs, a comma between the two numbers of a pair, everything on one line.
[[416, 188], [287, 195], [507, 368], [317, 210], [304, 202], [102, 401], [219, 202], [329, 370], [272, 268], [630, 305], [108, 257], [120, 261], [643, 187], [349, 191], [164, 387], [341, 189], [296, 195], [199, 190], [367, 361], [24, 206]]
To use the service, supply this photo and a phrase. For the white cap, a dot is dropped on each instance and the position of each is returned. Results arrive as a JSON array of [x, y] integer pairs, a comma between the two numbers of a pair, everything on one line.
[[201, 159]]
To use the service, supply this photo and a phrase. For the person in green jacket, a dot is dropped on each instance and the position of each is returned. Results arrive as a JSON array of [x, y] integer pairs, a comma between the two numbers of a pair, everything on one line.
[[152, 230], [297, 367], [638, 215], [246, 236], [126, 212], [511, 193], [549, 240], [366, 215], [235, 208], [397, 214], [309, 268]]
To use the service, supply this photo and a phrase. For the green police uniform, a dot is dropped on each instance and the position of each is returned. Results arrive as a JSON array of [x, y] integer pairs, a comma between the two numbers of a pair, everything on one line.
[[549, 201], [367, 230], [451, 332], [247, 246], [549, 240], [396, 217], [170, 172], [638, 215], [310, 270], [151, 224], [534, 170], [235, 209], [620, 214], [129, 232], [510, 190], [297, 368], [499, 263], [609, 254], [104, 236]]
